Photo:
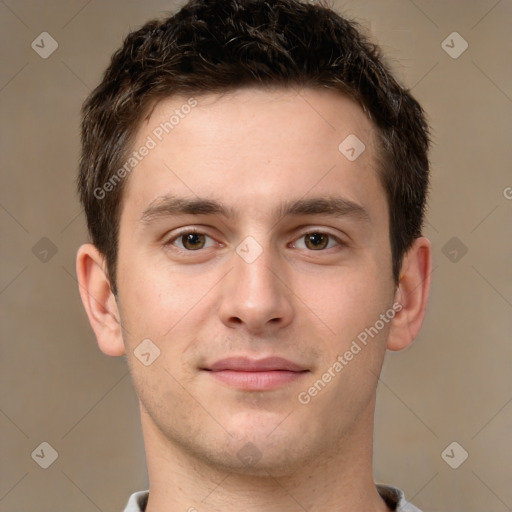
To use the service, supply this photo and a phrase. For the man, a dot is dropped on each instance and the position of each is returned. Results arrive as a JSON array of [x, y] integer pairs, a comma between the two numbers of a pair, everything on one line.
[[254, 181]]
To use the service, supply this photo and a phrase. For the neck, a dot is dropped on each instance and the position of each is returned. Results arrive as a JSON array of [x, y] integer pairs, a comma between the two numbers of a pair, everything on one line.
[[340, 480]]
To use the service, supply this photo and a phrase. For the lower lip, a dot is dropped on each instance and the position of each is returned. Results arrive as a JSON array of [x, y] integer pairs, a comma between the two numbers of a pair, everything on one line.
[[257, 381]]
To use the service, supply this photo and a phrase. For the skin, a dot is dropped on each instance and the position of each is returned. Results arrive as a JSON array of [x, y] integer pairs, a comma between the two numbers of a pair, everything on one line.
[[256, 151]]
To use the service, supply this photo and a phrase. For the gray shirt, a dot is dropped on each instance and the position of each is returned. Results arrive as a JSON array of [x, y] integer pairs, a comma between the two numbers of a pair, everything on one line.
[[393, 497]]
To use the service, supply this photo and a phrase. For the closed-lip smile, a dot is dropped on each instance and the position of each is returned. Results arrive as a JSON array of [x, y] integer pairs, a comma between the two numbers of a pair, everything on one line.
[[256, 374]]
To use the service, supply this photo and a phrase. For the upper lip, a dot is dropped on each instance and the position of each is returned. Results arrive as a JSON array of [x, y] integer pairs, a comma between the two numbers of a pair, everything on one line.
[[246, 364]]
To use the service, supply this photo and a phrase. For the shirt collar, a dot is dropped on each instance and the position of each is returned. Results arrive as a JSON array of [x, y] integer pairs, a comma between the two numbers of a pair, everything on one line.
[[393, 496]]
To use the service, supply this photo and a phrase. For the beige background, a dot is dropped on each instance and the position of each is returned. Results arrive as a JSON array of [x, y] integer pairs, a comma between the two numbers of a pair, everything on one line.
[[453, 384]]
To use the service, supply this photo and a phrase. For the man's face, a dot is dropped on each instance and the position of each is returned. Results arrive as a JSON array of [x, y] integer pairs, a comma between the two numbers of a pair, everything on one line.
[[247, 237]]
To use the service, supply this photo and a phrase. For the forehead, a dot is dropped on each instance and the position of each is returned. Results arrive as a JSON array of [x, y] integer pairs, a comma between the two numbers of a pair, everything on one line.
[[261, 144]]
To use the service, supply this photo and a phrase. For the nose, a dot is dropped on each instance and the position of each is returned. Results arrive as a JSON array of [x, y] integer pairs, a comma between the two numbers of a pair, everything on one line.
[[255, 296]]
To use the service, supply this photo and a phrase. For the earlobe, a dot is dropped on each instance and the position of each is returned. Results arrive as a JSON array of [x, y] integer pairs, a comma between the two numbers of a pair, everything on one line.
[[98, 300], [412, 295]]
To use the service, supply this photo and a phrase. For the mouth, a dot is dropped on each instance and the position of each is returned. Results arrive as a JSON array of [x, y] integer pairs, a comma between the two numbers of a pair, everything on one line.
[[256, 374]]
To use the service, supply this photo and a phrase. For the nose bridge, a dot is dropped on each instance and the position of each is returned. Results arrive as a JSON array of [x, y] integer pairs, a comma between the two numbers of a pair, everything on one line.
[[257, 277], [253, 295]]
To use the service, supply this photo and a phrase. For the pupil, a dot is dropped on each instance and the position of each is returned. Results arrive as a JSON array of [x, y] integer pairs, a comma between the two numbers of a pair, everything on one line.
[[317, 240], [193, 241]]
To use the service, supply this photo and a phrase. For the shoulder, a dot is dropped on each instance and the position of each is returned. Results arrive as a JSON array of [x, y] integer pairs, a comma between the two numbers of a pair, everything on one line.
[[137, 502], [395, 499]]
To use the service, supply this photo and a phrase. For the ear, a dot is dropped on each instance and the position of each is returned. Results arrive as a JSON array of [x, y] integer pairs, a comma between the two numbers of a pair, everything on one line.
[[412, 294], [98, 300]]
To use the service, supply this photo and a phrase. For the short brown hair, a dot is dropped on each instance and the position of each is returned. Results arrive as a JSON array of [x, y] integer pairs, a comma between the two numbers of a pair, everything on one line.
[[221, 45]]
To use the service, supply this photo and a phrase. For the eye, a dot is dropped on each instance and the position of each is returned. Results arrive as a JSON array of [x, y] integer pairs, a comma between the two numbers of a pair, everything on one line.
[[316, 241], [192, 241]]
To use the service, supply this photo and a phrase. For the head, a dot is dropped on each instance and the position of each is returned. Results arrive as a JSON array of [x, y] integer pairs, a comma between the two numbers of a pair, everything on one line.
[[242, 107]]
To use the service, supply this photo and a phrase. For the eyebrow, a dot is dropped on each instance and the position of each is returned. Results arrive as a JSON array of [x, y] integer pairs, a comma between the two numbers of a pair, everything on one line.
[[169, 205]]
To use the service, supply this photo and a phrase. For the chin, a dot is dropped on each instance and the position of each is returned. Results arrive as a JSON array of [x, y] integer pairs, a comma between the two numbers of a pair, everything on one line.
[[265, 445], [260, 461]]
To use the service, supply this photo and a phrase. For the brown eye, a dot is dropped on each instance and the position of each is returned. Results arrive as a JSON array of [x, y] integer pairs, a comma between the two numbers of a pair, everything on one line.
[[316, 241], [193, 241]]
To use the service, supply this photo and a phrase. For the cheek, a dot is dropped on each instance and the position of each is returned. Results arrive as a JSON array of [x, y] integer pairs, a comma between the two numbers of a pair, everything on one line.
[[168, 303], [347, 299], [163, 303]]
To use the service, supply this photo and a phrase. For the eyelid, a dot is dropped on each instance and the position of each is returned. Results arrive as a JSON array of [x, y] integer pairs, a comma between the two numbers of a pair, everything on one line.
[[176, 235], [321, 231]]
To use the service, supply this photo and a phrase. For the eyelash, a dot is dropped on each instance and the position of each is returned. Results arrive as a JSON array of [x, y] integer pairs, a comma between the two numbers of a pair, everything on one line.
[[331, 237]]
